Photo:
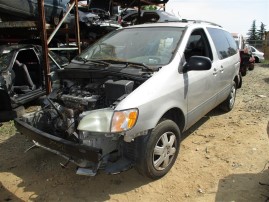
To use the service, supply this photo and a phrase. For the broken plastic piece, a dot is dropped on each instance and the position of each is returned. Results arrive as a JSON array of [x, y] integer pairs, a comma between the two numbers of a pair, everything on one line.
[[86, 171]]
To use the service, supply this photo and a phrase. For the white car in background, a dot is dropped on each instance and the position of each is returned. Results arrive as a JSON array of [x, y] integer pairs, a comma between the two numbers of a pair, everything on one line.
[[258, 55]]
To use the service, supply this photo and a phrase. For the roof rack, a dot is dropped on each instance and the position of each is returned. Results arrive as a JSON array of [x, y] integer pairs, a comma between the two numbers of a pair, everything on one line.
[[201, 21], [193, 21]]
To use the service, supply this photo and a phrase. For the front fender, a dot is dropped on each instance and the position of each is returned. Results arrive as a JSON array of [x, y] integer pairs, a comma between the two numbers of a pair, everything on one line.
[[163, 91]]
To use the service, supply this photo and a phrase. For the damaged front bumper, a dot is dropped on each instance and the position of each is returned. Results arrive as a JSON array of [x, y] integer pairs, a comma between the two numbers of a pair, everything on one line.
[[89, 159], [58, 145]]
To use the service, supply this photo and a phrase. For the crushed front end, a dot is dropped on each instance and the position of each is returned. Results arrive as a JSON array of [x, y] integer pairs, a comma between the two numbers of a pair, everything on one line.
[[78, 121]]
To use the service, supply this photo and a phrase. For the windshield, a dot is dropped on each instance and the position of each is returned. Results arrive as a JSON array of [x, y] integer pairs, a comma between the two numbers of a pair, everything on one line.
[[152, 46]]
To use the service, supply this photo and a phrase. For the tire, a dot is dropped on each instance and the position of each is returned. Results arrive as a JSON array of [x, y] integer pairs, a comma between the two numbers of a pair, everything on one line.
[[251, 67], [157, 152], [244, 71], [228, 104]]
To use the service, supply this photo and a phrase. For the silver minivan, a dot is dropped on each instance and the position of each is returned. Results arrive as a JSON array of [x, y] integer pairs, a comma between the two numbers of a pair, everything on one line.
[[125, 101]]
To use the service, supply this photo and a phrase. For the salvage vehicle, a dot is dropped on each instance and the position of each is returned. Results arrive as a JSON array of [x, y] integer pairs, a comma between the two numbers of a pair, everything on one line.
[[247, 61], [125, 101], [28, 10], [94, 23], [147, 16], [22, 76]]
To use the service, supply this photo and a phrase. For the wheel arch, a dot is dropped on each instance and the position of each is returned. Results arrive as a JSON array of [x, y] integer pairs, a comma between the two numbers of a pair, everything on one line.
[[176, 115], [238, 80], [257, 59]]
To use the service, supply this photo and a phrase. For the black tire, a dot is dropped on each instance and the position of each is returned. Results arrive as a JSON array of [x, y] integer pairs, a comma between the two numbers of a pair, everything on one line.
[[243, 71], [165, 140], [257, 60], [228, 104], [251, 67]]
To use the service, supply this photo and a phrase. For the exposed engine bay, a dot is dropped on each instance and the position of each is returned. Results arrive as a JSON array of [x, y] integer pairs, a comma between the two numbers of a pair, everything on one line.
[[64, 106], [71, 99]]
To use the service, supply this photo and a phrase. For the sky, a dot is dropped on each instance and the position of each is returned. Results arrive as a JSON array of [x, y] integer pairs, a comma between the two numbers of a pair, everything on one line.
[[235, 16]]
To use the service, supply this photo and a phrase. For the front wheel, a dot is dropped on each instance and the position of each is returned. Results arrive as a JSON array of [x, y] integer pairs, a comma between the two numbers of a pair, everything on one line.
[[158, 150], [228, 104]]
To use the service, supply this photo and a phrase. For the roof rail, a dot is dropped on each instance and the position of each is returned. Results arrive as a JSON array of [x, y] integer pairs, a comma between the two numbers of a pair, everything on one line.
[[201, 21], [192, 21]]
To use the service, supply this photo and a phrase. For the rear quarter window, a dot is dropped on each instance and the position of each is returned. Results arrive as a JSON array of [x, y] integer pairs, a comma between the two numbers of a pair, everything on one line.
[[224, 42], [233, 47]]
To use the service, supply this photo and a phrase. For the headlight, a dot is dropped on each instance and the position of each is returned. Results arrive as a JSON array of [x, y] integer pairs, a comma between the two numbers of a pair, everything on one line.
[[123, 120], [96, 121], [108, 121]]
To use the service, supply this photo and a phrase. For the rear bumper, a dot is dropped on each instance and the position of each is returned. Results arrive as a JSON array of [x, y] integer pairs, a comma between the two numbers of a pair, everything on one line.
[[58, 145]]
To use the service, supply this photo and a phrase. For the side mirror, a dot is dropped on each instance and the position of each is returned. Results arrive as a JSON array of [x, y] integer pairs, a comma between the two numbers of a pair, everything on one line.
[[197, 63]]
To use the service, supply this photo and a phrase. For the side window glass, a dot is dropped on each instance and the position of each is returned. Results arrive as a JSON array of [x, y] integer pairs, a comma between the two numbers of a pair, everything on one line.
[[233, 47], [198, 45], [220, 42], [224, 42]]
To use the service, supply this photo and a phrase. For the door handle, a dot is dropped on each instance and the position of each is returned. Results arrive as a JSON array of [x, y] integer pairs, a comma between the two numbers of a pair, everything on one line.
[[221, 69], [215, 72]]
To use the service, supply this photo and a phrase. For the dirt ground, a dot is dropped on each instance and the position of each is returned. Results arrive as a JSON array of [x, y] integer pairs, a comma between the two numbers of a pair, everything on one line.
[[224, 157]]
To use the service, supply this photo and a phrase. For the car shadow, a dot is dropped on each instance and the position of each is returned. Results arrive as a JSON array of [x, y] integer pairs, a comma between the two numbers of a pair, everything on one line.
[[244, 187], [41, 178], [198, 124]]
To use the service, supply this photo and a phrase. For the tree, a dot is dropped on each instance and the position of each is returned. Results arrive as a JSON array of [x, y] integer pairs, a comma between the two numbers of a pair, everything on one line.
[[261, 31], [252, 32]]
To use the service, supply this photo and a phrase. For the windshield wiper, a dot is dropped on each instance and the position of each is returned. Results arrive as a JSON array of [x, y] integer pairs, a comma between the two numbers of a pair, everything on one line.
[[128, 63], [109, 62], [141, 65], [92, 61]]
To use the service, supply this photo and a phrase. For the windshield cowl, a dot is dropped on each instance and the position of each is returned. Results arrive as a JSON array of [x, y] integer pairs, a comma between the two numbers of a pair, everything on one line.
[[114, 64]]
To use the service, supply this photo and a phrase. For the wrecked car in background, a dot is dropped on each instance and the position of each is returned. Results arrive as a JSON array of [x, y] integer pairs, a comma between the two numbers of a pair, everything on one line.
[[147, 16], [101, 17], [28, 10], [95, 23], [22, 77], [126, 100], [247, 61]]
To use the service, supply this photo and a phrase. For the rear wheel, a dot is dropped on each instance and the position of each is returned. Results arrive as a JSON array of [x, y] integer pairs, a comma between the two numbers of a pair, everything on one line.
[[228, 104], [243, 71], [251, 67], [159, 150]]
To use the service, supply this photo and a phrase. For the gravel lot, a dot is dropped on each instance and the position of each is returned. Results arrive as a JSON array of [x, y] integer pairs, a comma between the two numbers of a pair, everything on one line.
[[224, 157]]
